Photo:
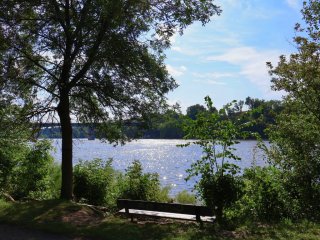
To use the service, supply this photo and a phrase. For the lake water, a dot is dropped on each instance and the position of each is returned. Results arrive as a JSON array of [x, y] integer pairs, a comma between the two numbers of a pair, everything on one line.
[[160, 156]]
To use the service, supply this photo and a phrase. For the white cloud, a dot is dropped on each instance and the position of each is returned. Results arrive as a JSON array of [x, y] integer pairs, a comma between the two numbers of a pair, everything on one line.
[[295, 4], [211, 78], [209, 81], [252, 63], [248, 8], [176, 71], [211, 75], [177, 49], [186, 51]]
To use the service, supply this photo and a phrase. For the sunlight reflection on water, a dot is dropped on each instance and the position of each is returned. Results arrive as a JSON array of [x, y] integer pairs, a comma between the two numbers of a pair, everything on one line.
[[160, 156]]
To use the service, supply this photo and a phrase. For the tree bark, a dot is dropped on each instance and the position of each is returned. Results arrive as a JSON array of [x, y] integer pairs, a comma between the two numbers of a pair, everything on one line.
[[66, 132]]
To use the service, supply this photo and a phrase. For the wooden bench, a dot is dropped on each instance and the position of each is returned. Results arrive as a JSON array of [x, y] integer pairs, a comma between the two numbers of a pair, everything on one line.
[[166, 210]]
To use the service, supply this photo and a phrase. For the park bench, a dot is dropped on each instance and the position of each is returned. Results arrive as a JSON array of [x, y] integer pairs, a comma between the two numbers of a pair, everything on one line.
[[166, 210]]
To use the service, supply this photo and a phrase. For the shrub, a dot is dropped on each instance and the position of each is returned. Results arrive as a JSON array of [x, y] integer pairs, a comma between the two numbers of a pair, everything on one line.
[[140, 186], [216, 134], [220, 192], [163, 195], [97, 183], [11, 155], [92, 180], [265, 198], [33, 172], [185, 197]]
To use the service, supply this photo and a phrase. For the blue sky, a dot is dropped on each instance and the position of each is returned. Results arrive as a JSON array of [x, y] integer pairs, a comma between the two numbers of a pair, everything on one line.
[[227, 58]]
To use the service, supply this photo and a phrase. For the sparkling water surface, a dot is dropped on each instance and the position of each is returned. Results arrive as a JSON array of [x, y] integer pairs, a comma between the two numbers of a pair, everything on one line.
[[161, 156]]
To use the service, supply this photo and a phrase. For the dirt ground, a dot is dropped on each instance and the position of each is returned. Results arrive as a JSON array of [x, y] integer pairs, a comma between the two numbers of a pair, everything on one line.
[[11, 232]]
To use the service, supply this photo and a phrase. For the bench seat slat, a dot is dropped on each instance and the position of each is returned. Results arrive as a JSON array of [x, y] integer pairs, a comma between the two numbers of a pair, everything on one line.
[[188, 217]]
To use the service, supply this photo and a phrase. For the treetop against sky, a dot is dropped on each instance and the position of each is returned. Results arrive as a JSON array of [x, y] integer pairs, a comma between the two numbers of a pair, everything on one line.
[[227, 58]]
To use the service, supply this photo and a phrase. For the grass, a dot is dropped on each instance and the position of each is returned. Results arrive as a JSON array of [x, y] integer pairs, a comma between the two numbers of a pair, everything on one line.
[[76, 220]]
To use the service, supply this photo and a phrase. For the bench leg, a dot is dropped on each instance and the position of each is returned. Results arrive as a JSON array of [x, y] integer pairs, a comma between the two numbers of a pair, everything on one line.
[[128, 214], [198, 218]]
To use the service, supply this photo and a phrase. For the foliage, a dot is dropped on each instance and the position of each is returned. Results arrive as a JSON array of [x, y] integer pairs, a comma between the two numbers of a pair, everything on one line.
[[28, 171], [295, 152], [11, 152], [97, 183], [185, 197], [163, 195], [261, 114], [220, 192], [167, 124], [106, 74], [26, 168], [296, 137], [35, 173], [171, 125], [216, 134], [92, 180], [139, 185], [14, 135], [265, 197], [194, 110]]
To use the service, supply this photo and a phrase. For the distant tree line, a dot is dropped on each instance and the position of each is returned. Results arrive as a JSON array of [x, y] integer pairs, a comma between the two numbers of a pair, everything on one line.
[[169, 124]]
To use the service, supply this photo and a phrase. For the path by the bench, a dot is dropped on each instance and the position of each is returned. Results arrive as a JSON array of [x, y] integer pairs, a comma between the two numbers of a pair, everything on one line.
[[12, 232]]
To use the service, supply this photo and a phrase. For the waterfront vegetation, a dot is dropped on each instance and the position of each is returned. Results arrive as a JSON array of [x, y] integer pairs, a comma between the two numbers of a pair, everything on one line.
[[278, 201]]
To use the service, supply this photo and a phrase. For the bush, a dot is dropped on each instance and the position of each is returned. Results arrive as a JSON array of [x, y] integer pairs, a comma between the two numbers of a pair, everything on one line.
[[36, 172], [185, 197], [11, 155], [28, 170], [97, 183], [163, 195], [220, 192], [92, 180], [265, 198], [139, 185]]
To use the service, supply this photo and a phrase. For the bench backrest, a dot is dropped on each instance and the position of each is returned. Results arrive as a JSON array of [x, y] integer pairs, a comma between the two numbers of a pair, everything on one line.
[[164, 207]]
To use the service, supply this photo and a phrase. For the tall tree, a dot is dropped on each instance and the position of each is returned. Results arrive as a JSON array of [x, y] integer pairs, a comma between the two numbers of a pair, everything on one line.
[[297, 134], [92, 60]]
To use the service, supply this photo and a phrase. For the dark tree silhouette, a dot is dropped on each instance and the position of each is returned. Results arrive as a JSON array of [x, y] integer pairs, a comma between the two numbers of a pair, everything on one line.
[[92, 61]]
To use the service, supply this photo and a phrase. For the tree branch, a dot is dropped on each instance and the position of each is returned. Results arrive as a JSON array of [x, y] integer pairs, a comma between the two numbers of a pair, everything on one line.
[[36, 62], [92, 54]]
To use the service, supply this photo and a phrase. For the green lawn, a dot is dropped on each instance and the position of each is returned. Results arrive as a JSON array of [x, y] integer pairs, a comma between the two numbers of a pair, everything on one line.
[[74, 220]]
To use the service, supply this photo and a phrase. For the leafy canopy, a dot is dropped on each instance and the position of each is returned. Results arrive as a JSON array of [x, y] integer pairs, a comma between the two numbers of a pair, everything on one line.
[[91, 61], [105, 55], [297, 133]]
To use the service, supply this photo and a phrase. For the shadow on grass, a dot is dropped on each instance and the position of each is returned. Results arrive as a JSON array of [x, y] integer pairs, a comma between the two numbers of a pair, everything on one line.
[[49, 215], [42, 215], [27, 211], [63, 217], [116, 228]]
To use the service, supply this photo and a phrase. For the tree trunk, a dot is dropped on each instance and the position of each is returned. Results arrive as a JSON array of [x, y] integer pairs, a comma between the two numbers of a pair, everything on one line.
[[66, 132]]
